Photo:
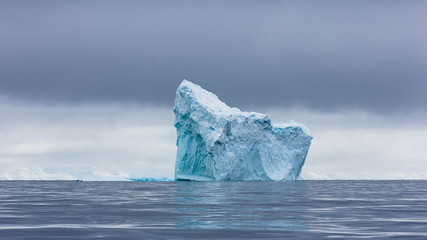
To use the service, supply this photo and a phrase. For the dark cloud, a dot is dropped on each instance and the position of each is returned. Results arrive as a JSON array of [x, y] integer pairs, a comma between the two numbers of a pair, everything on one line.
[[325, 55]]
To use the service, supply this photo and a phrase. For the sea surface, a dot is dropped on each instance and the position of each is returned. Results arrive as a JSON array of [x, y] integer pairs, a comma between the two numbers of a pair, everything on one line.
[[225, 210]]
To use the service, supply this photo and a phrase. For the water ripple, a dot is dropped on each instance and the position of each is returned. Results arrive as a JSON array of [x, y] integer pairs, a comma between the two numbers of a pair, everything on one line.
[[179, 210]]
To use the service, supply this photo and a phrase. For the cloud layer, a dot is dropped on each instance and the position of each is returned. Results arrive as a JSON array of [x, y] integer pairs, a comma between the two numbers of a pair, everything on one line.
[[122, 141], [324, 56], [91, 142]]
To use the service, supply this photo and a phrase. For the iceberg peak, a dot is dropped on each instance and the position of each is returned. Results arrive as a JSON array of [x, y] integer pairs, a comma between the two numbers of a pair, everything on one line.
[[216, 142], [205, 98]]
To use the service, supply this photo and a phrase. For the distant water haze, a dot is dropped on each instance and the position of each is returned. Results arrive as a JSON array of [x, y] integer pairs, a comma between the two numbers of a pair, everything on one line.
[[121, 141]]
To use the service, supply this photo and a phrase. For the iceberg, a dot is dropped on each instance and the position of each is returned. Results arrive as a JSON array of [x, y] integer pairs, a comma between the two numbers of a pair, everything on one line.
[[219, 143]]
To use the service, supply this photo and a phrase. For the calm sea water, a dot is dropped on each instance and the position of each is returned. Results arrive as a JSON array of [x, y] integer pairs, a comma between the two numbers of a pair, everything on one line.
[[196, 210]]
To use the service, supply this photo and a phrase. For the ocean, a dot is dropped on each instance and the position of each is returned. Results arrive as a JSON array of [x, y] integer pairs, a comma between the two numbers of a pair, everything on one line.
[[226, 210]]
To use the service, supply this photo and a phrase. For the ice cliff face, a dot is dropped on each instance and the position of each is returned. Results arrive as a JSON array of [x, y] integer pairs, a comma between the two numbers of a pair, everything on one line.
[[219, 143]]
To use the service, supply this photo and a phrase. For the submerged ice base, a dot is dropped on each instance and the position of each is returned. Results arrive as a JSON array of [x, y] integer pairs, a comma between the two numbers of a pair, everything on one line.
[[219, 143]]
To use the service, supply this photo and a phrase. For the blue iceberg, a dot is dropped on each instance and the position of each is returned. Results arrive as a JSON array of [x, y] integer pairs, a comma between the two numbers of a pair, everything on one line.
[[219, 143]]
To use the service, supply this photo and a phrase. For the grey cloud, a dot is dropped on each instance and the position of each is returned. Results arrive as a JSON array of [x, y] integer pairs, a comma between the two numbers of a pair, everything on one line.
[[328, 55]]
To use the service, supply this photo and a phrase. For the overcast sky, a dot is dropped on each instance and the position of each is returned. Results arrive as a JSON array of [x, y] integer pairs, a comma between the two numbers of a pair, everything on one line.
[[87, 87]]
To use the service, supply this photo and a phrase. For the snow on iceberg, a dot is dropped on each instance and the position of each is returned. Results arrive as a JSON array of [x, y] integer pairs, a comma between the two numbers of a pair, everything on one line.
[[219, 143]]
